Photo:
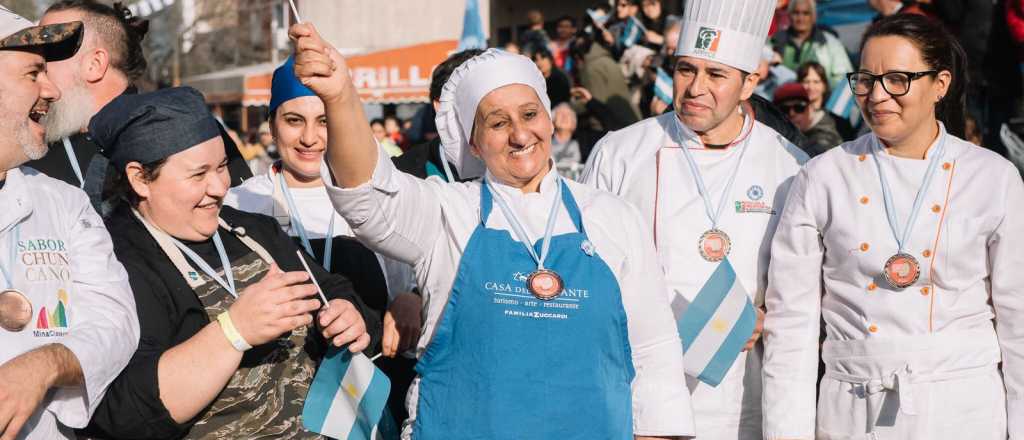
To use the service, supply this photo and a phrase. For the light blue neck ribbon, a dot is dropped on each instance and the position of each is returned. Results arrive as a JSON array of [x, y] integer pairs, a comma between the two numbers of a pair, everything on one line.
[[228, 284], [713, 214], [73, 158], [890, 209], [447, 168], [12, 255], [296, 221], [517, 226]]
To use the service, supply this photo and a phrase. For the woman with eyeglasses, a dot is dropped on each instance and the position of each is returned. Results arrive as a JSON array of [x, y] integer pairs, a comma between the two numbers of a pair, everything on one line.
[[908, 243]]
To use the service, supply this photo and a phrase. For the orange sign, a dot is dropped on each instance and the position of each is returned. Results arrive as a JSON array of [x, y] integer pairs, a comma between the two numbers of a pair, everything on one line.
[[398, 75]]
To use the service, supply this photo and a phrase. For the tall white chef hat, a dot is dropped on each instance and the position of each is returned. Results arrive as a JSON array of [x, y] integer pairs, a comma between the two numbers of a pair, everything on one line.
[[731, 32], [467, 86]]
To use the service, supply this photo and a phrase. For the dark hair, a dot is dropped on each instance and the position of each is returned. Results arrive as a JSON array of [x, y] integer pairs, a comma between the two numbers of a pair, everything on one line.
[[569, 18], [806, 68], [377, 121], [123, 188], [941, 51], [120, 32], [542, 54], [444, 70]]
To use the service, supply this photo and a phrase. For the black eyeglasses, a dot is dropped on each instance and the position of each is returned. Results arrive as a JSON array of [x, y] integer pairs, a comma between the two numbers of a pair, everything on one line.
[[894, 83], [799, 107]]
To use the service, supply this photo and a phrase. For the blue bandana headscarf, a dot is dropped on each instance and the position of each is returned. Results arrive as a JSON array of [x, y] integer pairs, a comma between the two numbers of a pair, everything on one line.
[[285, 86]]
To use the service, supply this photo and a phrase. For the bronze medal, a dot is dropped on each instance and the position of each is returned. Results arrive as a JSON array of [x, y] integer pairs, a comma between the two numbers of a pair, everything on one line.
[[15, 310], [714, 245], [901, 270], [545, 285]]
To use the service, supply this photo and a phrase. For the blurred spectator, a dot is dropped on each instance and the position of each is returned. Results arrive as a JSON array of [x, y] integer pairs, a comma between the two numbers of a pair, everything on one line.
[[381, 135], [557, 81], [636, 65], [812, 76], [654, 19], [806, 41], [886, 8], [565, 30], [625, 12], [393, 127], [267, 141], [595, 120], [665, 59], [792, 99], [512, 48], [780, 21], [971, 132], [565, 151], [602, 77], [535, 38], [772, 73]]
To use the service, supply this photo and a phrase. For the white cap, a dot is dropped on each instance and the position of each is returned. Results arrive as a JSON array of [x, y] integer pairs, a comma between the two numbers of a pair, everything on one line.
[[467, 86], [731, 32]]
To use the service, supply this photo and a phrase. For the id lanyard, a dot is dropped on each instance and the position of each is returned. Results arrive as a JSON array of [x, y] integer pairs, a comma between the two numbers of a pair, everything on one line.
[[228, 284], [73, 158], [447, 168], [890, 209], [296, 221], [713, 214], [12, 255], [517, 226]]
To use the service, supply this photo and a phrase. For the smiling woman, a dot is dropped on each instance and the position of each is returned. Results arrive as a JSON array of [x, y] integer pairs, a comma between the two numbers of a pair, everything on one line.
[[494, 255], [228, 348]]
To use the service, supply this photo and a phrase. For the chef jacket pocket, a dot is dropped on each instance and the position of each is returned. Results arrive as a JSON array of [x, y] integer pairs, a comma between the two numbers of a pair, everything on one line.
[[966, 249]]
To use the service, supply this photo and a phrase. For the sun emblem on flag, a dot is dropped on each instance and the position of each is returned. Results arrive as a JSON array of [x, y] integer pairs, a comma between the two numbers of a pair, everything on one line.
[[351, 390], [719, 325]]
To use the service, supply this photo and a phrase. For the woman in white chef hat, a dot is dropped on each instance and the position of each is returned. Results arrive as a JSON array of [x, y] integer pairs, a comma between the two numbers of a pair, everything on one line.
[[541, 295], [908, 242]]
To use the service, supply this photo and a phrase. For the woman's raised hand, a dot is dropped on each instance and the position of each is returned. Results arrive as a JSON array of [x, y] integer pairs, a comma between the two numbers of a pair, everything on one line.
[[319, 66]]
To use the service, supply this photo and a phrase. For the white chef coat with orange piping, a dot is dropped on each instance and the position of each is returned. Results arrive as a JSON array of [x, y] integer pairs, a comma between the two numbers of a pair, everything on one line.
[[644, 164], [918, 362]]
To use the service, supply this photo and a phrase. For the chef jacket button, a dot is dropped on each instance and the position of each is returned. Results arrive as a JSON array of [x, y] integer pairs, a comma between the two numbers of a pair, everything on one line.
[[927, 253], [925, 291], [936, 209], [864, 200], [862, 157], [872, 287], [873, 328], [946, 166], [864, 247]]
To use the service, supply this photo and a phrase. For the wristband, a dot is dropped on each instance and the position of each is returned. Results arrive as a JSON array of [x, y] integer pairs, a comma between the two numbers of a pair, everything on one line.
[[231, 332]]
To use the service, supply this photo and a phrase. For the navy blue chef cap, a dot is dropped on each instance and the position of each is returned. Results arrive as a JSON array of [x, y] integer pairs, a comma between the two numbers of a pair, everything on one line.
[[285, 86]]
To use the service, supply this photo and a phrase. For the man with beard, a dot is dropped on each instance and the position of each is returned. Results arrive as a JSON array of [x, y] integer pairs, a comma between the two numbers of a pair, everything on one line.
[[109, 62], [68, 323], [711, 180]]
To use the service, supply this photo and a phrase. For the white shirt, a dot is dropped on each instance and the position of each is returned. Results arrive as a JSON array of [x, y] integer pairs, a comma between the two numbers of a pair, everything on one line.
[[428, 223], [256, 195], [834, 238], [65, 261]]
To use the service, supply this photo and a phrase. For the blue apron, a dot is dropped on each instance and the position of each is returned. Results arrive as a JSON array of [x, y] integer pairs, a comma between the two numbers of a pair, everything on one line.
[[505, 365]]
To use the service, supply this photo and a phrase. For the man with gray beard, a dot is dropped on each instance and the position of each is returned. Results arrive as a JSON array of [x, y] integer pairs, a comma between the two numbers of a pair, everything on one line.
[[68, 322], [107, 65]]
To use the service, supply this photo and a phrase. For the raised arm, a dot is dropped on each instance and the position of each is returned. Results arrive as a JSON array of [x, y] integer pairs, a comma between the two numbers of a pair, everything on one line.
[[351, 149]]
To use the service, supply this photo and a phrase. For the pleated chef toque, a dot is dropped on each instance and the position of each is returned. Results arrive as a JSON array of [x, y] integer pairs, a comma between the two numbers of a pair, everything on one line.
[[731, 32]]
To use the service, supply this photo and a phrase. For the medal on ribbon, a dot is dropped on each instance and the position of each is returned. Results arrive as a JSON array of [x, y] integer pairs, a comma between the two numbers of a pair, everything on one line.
[[15, 308]]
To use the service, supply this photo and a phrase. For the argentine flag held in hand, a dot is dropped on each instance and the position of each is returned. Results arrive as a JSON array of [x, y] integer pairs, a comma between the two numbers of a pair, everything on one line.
[[663, 87], [632, 33], [347, 397], [716, 325], [842, 102]]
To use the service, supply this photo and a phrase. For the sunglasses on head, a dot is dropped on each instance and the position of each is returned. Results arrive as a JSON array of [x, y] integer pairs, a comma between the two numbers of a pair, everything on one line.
[[797, 107]]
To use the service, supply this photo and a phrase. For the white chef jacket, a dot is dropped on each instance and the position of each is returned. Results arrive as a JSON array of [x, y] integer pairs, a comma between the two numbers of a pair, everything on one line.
[[428, 223], [65, 262], [834, 239], [643, 163], [257, 195]]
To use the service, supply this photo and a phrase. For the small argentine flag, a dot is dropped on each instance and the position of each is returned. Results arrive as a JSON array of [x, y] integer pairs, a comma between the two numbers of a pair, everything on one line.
[[632, 33], [663, 86], [347, 397], [842, 103], [716, 325]]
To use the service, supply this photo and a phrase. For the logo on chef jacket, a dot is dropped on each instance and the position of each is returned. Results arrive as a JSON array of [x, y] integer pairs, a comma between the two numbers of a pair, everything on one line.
[[707, 41], [52, 320], [44, 260], [754, 204]]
